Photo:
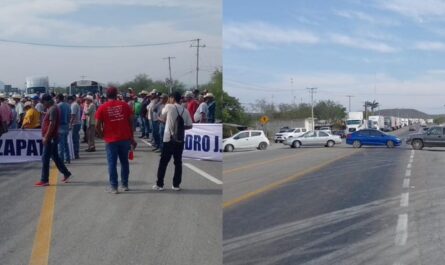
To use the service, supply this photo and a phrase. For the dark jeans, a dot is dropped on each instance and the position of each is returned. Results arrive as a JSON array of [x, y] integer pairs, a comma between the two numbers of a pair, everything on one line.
[[171, 149], [118, 150], [146, 127], [76, 139], [155, 132], [161, 134], [50, 151]]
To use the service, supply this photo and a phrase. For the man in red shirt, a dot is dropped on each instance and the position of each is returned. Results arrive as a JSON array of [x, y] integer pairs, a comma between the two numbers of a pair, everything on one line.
[[192, 104], [50, 129], [114, 124]]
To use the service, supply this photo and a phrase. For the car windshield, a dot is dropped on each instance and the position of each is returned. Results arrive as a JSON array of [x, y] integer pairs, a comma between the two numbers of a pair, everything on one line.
[[353, 122]]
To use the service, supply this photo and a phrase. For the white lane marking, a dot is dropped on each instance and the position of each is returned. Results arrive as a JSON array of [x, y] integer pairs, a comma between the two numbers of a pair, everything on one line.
[[411, 160], [146, 142], [409, 165], [408, 173], [402, 230], [404, 199], [203, 173], [405, 183]]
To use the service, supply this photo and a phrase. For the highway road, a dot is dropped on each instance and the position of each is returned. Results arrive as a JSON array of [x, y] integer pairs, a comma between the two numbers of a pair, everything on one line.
[[79, 223], [340, 205]]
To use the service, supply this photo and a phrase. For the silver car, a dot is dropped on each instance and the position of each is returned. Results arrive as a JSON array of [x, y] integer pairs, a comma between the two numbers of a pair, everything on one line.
[[314, 138]]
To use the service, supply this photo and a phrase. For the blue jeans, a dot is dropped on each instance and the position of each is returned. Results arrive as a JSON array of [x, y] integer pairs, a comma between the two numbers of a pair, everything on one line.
[[155, 125], [64, 152], [146, 125], [50, 151], [161, 134], [76, 139], [114, 150]]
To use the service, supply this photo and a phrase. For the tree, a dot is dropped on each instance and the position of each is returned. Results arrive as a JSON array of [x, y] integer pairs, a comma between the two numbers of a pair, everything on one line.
[[329, 110], [373, 105]]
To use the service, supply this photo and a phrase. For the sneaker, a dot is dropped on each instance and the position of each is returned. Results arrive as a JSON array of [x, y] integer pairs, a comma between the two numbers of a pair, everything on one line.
[[176, 188], [91, 149], [113, 190], [66, 178], [156, 187], [41, 184], [125, 188]]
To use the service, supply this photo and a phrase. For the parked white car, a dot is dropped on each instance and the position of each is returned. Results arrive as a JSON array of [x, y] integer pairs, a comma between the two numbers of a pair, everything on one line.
[[245, 140], [314, 138], [295, 132]]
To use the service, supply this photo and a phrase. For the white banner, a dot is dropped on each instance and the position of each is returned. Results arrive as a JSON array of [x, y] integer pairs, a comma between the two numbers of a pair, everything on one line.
[[17, 146], [204, 142], [21, 146]]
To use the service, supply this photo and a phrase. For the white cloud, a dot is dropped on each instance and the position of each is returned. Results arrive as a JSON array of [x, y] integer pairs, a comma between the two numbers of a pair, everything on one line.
[[419, 10], [43, 21], [357, 15], [432, 46], [362, 43], [254, 35]]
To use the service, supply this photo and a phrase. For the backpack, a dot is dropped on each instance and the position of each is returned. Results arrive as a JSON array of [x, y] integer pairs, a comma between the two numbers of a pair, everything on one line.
[[178, 133]]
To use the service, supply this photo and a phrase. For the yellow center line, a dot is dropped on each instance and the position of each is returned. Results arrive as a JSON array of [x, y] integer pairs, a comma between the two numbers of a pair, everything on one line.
[[266, 162], [279, 183], [42, 240]]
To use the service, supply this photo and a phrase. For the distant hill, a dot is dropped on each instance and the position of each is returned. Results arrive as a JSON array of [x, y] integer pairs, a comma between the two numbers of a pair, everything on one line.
[[404, 113]]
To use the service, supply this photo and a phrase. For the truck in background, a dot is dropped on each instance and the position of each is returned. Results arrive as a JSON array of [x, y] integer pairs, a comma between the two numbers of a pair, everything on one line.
[[37, 85], [376, 122], [355, 122]]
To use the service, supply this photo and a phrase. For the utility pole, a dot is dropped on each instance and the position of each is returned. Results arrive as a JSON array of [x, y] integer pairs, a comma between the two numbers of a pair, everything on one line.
[[312, 91], [292, 90], [350, 96], [169, 58], [197, 58]]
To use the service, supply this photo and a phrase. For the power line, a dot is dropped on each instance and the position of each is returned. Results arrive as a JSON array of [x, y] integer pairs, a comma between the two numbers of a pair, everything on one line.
[[94, 46]]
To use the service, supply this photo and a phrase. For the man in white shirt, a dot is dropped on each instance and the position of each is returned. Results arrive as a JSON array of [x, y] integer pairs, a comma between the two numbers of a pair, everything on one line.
[[202, 111], [171, 145], [75, 124]]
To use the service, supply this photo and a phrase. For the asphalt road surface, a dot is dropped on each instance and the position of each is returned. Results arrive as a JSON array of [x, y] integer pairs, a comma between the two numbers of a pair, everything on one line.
[[91, 226], [370, 206]]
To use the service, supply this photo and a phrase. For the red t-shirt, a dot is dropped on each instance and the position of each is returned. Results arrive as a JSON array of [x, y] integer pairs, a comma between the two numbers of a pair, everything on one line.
[[116, 121], [52, 115], [192, 106]]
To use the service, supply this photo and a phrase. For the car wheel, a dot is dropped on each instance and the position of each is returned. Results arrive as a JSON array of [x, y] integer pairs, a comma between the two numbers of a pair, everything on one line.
[[417, 144], [390, 144], [229, 148], [276, 141], [262, 146], [296, 144], [330, 144], [357, 144]]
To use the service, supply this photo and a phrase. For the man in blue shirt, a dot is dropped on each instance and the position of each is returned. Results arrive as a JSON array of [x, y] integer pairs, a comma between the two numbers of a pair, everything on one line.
[[65, 118]]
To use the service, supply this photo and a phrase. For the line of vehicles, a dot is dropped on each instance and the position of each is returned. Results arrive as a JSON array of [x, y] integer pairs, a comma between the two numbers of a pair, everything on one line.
[[36, 85], [358, 133]]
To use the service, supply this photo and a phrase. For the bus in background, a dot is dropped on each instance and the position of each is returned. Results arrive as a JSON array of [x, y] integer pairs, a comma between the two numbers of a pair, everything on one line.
[[37, 85], [83, 87]]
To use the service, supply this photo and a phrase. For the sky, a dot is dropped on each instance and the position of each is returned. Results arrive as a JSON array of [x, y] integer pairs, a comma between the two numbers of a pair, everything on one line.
[[108, 23], [391, 51]]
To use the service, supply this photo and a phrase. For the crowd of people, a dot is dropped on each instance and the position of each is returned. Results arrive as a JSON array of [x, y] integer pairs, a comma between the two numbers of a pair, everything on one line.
[[161, 119]]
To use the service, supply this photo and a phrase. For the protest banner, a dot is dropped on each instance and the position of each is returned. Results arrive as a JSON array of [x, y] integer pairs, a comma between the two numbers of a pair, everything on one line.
[[204, 142]]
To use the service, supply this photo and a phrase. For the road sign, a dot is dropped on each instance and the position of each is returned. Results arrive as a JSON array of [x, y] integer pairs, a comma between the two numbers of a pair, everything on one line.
[[264, 120]]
